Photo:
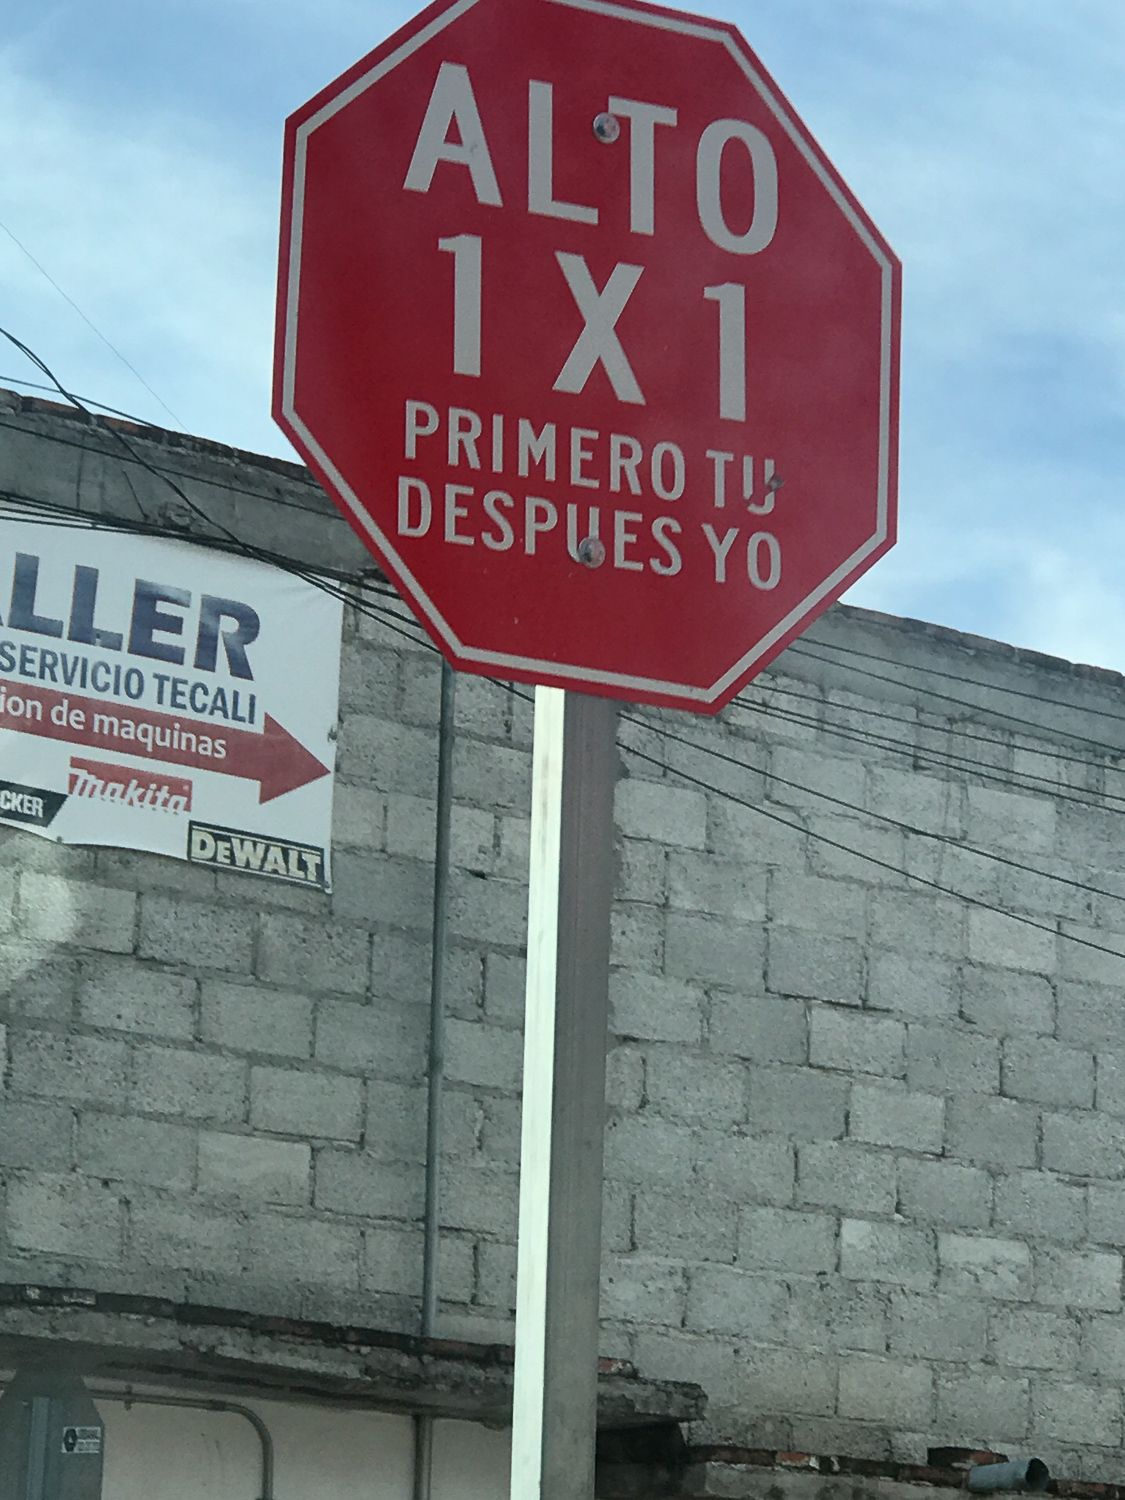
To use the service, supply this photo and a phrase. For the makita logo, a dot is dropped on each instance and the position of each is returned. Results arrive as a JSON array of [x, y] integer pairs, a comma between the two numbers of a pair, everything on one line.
[[124, 787]]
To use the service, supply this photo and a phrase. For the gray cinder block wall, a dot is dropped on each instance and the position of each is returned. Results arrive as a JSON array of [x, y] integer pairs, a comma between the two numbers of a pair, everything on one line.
[[866, 1140]]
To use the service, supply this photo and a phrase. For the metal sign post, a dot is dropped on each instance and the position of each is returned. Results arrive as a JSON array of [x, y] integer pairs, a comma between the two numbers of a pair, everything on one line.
[[569, 896]]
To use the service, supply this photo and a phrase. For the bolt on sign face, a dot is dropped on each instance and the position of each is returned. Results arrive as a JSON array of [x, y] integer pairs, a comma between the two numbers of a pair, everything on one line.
[[590, 343]]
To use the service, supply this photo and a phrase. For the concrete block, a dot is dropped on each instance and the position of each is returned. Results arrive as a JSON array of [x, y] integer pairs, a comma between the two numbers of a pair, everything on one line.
[[991, 1132], [125, 1149], [1003, 1003], [187, 1237], [636, 939], [76, 912], [504, 982], [1040, 1069], [636, 1290], [1106, 1213], [652, 1008], [316, 956], [897, 1117], [799, 1103], [379, 888], [251, 1170], [675, 1355], [1078, 1279], [666, 814], [810, 904], [982, 1407], [1005, 943], [396, 1120], [392, 1262], [703, 1090], [1090, 965], [1091, 1015], [496, 1275], [292, 1102], [797, 1244], [120, 995], [65, 1214], [1040, 1206], [913, 985], [837, 1174], [359, 817], [1074, 1413], [737, 832], [713, 952], [1084, 1145], [383, 1040], [810, 772], [400, 968], [642, 872], [256, 1019], [856, 1042], [1109, 1087], [926, 802], [981, 1266], [886, 1390], [191, 933], [1103, 1344], [937, 1328], [77, 1069], [694, 1228], [40, 983], [624, 1079], [289, 1251], [484, 1199], [887, 1252], [918, 924], [944, 1195], [741, 1304], [39, 1136], [835, 1316], [785, 1381], [360, 1184], [720, 888], [943, 1060], [1027, 1338], [760, 1029], [484, 1055], [815, 966], [871, 855], [482, 909], [1010, 820], [386, 756], [646, 1150], [747, 1169], [189, 1085], [492, 776]]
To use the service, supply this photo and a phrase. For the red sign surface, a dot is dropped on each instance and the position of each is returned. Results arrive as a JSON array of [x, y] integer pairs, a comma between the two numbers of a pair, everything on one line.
[[590, 343]]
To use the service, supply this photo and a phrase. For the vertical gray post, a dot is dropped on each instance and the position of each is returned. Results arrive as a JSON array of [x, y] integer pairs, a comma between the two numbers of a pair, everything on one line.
[[570, 890], [431, 1237]]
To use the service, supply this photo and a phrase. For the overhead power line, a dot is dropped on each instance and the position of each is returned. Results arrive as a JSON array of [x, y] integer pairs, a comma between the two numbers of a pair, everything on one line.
[[93, 326]]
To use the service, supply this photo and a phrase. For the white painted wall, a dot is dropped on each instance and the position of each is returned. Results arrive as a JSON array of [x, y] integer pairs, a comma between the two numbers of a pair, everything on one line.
[[158, 1453]]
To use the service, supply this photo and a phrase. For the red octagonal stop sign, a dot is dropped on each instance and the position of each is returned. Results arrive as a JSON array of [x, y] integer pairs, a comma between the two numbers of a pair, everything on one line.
[[590, 343]]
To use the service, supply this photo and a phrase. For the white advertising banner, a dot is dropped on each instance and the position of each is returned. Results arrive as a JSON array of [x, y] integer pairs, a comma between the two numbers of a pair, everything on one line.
[[157, 695]]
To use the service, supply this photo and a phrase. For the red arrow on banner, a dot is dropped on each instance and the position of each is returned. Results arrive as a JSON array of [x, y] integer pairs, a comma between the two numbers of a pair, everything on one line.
[[274, 759]]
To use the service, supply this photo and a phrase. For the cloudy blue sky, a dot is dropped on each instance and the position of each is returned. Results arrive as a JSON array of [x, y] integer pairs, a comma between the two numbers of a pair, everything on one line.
[[140, 166]]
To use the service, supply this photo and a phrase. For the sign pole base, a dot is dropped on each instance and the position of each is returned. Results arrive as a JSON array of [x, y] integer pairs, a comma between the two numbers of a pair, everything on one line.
[[554, 1415]]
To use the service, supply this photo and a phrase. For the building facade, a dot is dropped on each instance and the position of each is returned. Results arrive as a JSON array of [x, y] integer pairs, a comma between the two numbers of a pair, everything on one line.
[[865, 1151]]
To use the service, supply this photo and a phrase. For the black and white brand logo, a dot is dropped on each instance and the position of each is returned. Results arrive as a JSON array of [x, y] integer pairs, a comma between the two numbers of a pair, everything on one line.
[[29, 804], [277, 859]]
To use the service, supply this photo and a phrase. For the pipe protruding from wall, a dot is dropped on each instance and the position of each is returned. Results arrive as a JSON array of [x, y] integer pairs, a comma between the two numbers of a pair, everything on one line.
[[1024, 1474]]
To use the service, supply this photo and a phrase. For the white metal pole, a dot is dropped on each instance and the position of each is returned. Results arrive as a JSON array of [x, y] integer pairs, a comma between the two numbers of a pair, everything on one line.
[[538, 1093]]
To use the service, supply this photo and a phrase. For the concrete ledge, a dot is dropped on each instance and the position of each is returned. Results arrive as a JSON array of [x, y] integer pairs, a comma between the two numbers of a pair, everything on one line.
[[145, 1339]]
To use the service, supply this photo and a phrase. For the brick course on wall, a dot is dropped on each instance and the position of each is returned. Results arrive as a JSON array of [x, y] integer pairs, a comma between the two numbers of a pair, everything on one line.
[[865, 1145]]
